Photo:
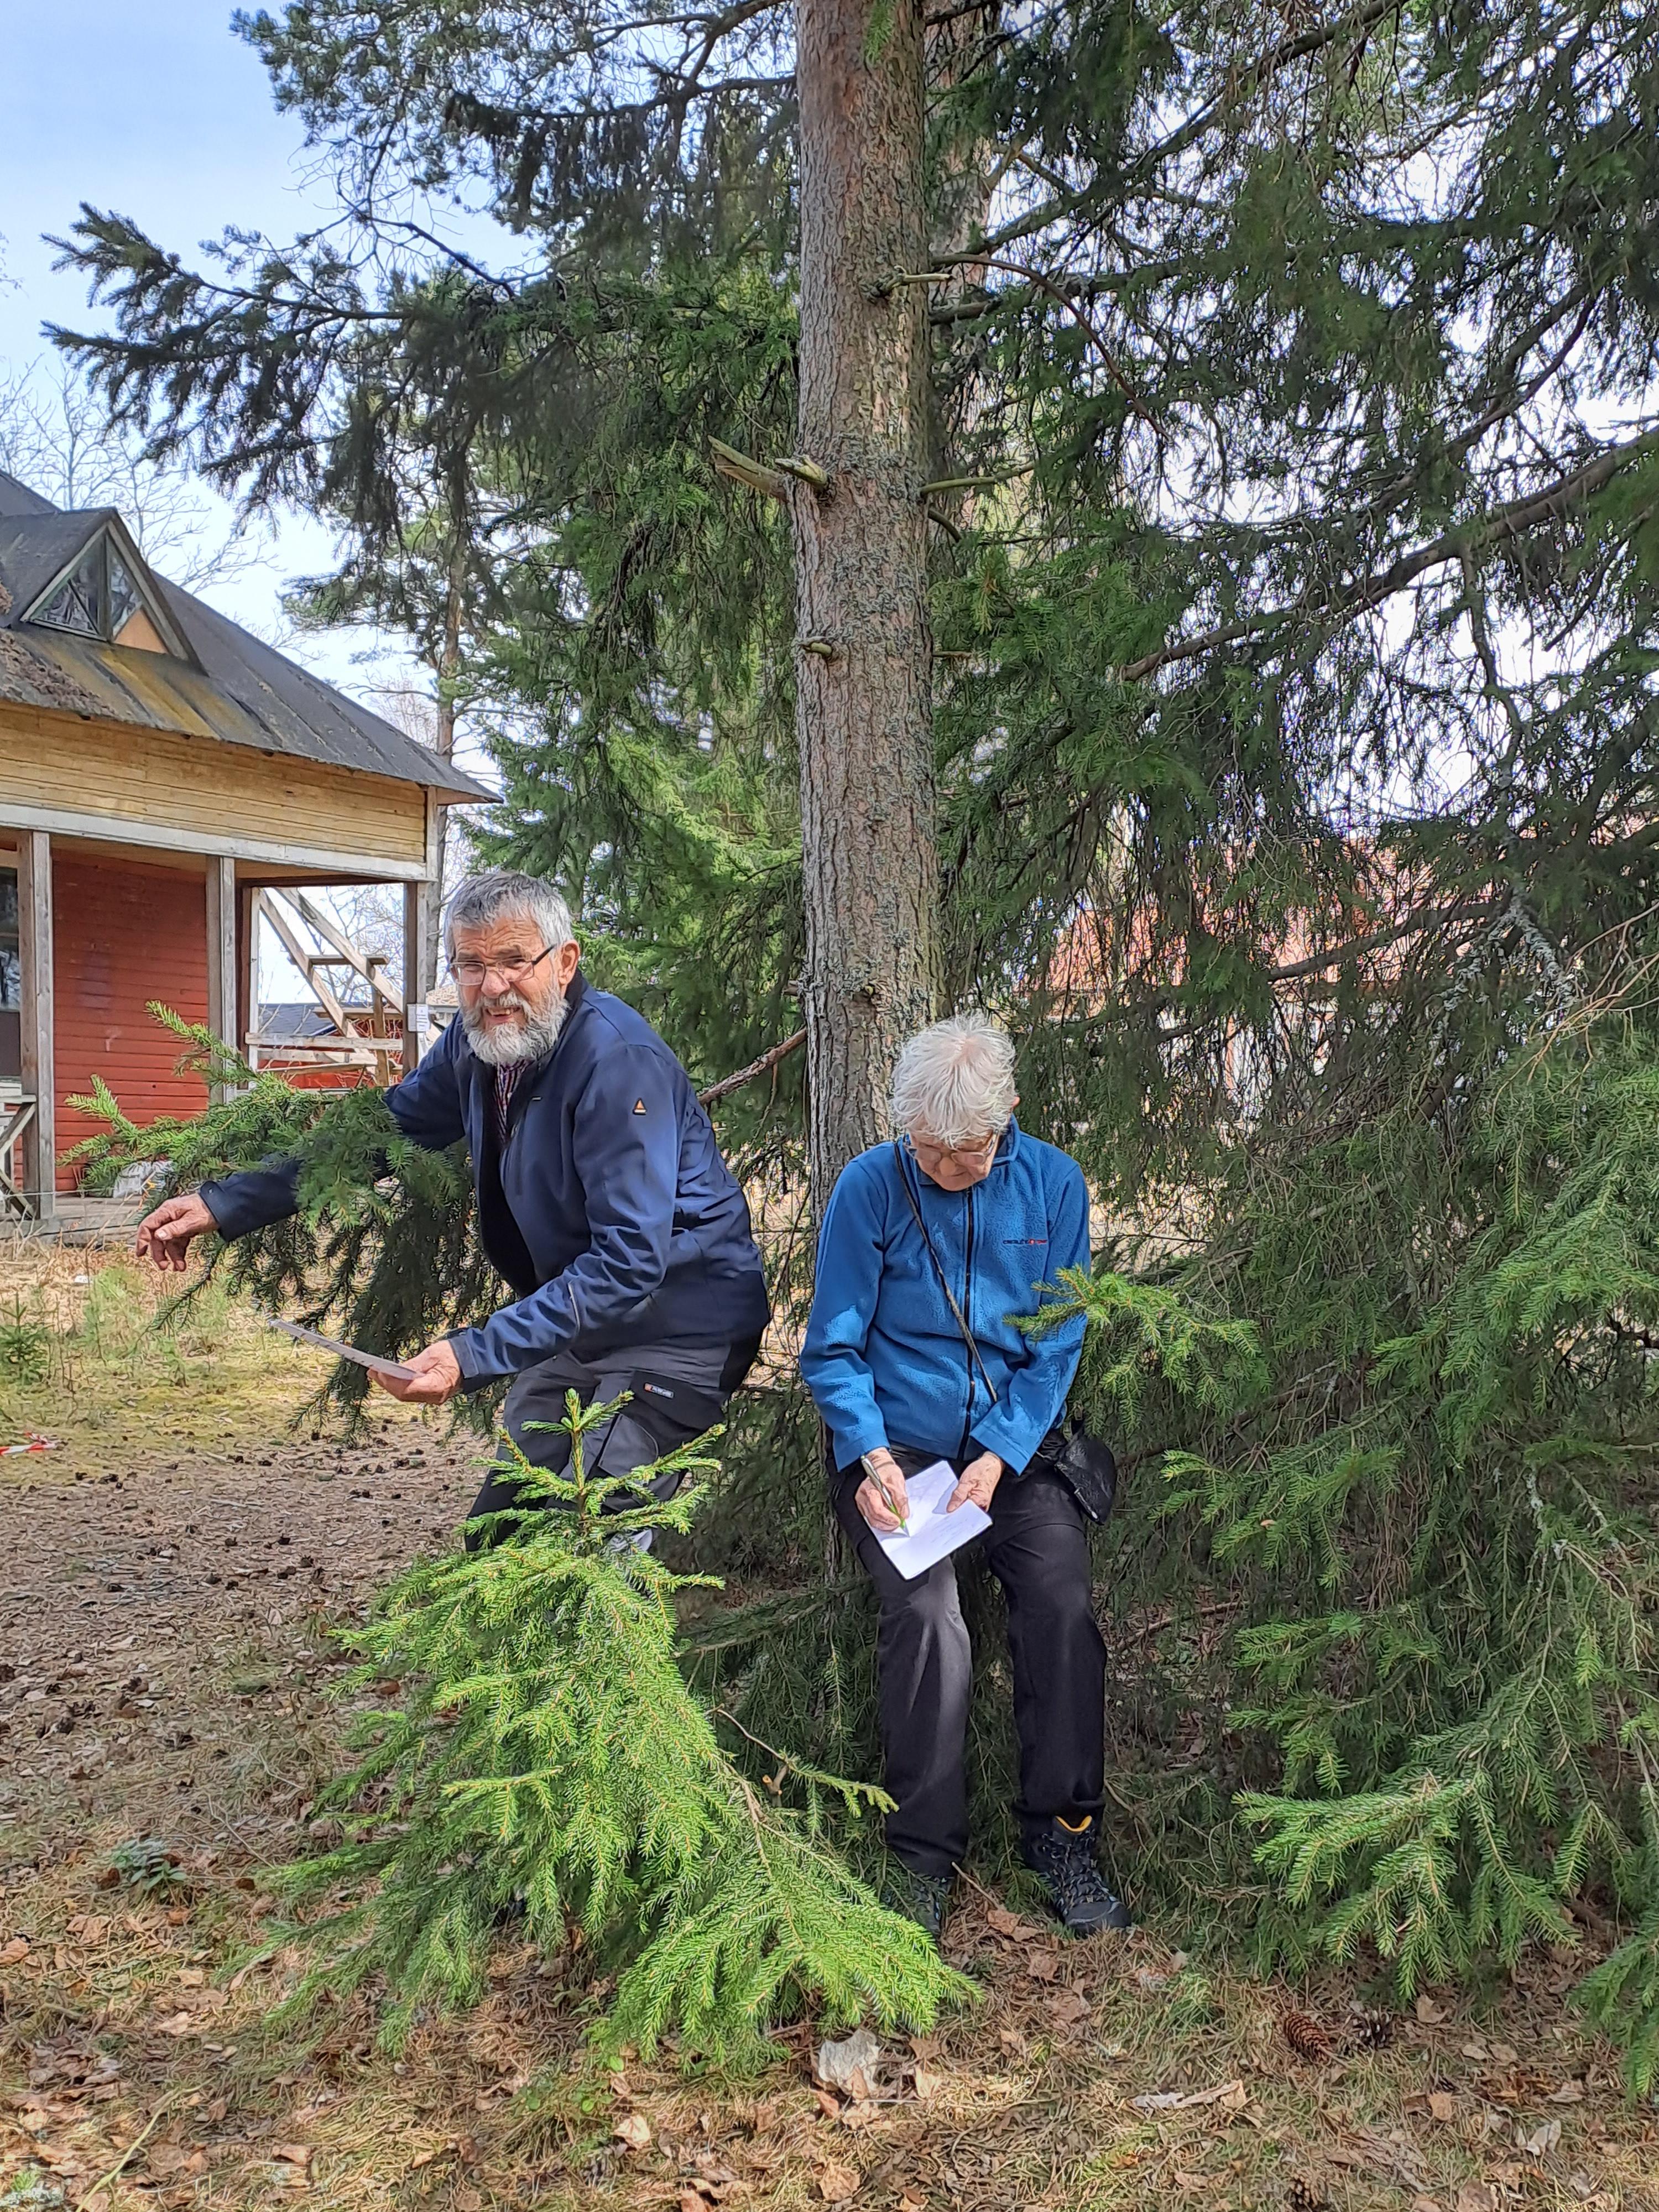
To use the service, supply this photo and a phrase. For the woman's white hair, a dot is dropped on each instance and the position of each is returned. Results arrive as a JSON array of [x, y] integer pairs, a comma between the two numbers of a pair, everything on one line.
[[954, 1082]]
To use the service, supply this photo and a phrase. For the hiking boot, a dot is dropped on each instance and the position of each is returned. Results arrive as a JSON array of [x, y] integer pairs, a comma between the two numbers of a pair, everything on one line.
[[1064, 1856], [918, 1897]]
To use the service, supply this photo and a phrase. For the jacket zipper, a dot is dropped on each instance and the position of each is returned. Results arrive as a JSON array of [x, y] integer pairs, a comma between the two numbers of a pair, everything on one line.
[[968, 1313]]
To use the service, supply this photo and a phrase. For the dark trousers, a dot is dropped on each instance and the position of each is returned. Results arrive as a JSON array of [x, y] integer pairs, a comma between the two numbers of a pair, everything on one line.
[[1037, 1548], [677, 1392]]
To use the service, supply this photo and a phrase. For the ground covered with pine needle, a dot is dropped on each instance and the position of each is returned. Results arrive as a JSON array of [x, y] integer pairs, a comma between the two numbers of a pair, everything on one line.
[[174, 1567]]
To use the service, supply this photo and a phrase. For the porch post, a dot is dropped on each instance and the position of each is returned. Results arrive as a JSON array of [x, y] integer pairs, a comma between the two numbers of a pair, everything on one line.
[[222, 993], [39, 1060], [417, 982]]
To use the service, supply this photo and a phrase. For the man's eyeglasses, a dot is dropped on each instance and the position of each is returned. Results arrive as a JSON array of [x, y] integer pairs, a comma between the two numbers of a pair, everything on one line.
[[471, 973], [964, 1156]]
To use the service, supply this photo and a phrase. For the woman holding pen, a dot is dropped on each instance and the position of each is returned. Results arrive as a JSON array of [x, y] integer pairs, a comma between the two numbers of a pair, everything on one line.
[[931, 1250]]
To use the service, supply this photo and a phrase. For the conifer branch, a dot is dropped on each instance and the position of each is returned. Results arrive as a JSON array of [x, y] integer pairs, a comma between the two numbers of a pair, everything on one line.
[[767, 1060], [1482, 534], [807, 472], [754, 476]]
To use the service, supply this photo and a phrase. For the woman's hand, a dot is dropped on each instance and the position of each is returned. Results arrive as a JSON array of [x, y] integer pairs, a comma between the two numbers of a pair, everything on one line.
[[868, 1496], [977, 1483], [436, 1378]]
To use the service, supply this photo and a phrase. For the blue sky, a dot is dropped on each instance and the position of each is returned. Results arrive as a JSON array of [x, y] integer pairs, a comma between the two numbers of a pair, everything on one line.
[[162, 114]]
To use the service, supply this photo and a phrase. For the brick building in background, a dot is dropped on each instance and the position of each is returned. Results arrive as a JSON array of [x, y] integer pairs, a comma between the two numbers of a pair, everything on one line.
[[168, 784]]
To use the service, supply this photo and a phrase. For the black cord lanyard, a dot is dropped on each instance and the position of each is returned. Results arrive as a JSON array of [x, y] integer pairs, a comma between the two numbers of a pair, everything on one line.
[[950, 1295]]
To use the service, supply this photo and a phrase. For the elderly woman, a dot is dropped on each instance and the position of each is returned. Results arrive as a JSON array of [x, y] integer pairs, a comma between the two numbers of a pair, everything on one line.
[[899, 1387]]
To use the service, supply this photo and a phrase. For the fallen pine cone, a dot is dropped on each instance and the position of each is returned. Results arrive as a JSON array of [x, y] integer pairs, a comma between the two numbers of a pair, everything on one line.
[[1372, 2030], [1308, 2037], [1303, 2197]]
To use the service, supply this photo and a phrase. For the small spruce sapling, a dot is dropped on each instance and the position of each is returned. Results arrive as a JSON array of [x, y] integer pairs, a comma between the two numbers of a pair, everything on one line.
[[550, 1761]]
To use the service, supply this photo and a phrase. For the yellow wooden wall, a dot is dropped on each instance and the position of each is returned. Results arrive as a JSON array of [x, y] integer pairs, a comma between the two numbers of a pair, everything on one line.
[[214, 796]]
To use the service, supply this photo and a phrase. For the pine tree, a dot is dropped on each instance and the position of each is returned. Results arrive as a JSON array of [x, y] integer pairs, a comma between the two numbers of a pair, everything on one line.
[[548, 1761]]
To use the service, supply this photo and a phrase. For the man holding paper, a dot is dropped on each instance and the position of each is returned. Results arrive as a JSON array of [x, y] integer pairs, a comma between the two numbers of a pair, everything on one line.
[[931, 1250], [602, 1198]]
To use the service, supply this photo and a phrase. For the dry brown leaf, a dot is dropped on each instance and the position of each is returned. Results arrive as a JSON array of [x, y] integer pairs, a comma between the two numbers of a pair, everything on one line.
[[635, 2129], [1543, 2140], [1504, 2053], [829, 2106], [1570, 2092], [17, 1948], [1067, 2007], [1442, 2104], [1429, 2012], [1476, 2197], [1231, 2094], [1426, 2204], [840, 2065], [839, 2184], [1005, 1922], [909, 2203], [928, 2085], [1041, 1966], [690, 2201], [294, 2154]]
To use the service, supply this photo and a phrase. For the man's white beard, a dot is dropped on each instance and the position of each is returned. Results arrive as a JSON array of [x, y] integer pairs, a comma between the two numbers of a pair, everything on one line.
[[512, 1048]]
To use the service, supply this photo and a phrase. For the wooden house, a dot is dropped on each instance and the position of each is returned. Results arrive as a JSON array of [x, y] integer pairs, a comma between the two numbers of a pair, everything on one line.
[[167, 782]]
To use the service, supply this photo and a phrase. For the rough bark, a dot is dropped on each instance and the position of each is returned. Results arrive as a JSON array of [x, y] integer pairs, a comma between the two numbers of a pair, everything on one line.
[[863, 720], [448, 670]]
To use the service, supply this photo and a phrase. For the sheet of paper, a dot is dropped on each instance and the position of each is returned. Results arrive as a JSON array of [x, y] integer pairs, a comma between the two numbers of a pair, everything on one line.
[[933, 1533], [371, 1360]]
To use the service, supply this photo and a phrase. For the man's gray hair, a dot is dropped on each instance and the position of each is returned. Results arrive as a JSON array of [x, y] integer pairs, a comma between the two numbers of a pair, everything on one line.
[[954, 1082], [498, 893]]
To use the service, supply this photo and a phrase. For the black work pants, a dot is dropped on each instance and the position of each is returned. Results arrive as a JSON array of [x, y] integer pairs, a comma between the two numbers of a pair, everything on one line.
[[677, 1392], [1037, 1548]]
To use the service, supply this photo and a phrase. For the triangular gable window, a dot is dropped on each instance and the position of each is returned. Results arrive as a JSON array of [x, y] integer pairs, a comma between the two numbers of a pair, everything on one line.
[[100, 596], [77, 602]]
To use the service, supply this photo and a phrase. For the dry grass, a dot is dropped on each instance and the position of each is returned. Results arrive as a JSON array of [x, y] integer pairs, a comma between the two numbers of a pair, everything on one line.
[[174, 1571]]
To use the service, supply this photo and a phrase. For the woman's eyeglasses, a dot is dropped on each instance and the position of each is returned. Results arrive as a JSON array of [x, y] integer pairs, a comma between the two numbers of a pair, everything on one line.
[[471, 972], [963, 1155]]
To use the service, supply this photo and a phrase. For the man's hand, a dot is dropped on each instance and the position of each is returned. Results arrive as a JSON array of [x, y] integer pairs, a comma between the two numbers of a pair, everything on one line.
[[165, 1235], [977, 1482], [868, 1498], [437, 1376]]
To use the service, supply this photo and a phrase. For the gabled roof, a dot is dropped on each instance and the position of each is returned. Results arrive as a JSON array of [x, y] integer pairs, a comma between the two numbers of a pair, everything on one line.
[[231, 687]]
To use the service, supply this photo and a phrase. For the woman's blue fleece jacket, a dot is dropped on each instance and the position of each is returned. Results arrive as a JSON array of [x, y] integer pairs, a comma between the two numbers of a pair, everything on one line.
[[883, 1359]]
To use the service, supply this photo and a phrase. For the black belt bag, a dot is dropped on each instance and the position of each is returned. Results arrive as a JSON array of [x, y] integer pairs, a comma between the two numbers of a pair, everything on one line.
[[1083, 1463]]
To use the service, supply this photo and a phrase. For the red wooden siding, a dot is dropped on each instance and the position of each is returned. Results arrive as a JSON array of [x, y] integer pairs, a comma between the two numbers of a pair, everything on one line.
[[123, 934]]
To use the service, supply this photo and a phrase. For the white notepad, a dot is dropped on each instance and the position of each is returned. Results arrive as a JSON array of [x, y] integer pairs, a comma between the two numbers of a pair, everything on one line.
[[933, 1534]]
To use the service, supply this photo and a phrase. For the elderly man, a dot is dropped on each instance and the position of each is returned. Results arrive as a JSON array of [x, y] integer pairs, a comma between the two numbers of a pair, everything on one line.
[[931, 1252], [602, 1198]]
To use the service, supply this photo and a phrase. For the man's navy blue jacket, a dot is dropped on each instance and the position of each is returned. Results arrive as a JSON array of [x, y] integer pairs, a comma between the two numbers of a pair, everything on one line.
[[611, 1211]]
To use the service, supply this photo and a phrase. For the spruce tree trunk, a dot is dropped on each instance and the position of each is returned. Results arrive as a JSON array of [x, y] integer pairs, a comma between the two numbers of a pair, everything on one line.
[[863, 720], [448, 669]]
